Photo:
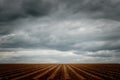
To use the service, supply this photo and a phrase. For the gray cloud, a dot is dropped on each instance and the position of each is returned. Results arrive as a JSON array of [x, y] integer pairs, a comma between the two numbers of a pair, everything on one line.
[[65, 36], [103, 53], [13, 9], [99, 8], [84, 26]]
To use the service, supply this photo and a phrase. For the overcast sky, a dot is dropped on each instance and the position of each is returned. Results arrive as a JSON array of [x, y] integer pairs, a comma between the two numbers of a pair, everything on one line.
[[59, 31]]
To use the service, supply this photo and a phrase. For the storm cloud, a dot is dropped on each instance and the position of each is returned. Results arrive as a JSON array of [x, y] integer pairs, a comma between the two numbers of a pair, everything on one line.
[[87, 29]]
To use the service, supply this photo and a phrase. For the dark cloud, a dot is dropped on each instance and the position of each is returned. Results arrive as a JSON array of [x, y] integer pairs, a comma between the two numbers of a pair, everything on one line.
[[82, 26], [13, 9], [62, 38], [99, 8]]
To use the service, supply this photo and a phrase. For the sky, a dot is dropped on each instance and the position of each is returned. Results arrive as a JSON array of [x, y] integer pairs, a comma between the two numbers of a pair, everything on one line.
[[59, 31]]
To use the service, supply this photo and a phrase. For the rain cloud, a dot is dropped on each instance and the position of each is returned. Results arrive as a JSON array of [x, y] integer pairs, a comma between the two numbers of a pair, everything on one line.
[[86, 29]]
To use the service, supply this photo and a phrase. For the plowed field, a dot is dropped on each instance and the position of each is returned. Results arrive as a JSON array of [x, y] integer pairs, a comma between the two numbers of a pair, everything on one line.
[[59, 71]]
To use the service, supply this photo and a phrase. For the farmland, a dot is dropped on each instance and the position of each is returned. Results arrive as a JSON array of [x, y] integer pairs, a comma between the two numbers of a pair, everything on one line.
[[59, 71]]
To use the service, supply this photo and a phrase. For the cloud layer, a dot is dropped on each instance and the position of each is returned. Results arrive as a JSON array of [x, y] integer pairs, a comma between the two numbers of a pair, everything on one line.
[[87, 29]]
